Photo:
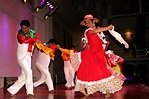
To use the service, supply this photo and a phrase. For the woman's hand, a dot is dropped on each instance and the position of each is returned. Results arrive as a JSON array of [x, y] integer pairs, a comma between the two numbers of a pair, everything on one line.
[[110, 27]]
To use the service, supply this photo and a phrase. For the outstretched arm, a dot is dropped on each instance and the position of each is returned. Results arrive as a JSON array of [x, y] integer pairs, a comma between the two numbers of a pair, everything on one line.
[[102, 29]]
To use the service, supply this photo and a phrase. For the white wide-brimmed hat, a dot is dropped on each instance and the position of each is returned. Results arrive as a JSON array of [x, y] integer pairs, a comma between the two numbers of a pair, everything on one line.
[[88, 17]]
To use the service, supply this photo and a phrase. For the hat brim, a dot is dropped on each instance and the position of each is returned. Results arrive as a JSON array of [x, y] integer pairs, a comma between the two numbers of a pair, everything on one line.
[[83, 22]]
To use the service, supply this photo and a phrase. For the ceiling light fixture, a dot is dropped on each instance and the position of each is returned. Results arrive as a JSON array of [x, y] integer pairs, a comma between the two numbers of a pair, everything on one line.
[[52, 6], [41, 4]]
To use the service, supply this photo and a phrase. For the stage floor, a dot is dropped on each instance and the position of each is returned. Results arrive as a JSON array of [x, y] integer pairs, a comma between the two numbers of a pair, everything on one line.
[[129, 91]]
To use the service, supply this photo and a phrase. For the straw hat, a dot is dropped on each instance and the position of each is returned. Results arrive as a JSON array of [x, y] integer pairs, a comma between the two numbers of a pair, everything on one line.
[[88, 17]]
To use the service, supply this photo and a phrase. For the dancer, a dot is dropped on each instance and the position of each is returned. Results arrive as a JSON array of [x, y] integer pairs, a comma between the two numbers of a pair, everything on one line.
[[26, 39], [115, 63], [69, 71], [93, 74], [45, 55]]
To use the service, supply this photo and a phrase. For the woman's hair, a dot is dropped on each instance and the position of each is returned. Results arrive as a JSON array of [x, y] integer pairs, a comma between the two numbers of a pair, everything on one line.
[[25, 22], [52, 41]]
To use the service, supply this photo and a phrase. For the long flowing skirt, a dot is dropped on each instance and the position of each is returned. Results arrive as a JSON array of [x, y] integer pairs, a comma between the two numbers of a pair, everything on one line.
[[93, 74]]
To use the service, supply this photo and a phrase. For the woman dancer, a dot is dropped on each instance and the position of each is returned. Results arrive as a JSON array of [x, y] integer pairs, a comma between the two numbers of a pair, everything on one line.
[[93, 74]]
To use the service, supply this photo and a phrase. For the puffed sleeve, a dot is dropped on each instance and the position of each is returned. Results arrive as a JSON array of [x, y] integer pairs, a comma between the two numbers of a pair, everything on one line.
[[33, 40], [21, 39]]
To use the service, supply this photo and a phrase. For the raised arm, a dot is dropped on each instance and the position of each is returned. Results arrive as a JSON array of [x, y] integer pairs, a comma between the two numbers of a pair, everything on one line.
[[101, 29]]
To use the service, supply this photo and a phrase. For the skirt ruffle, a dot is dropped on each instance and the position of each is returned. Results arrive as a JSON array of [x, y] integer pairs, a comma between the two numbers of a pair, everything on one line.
[[110, 84]]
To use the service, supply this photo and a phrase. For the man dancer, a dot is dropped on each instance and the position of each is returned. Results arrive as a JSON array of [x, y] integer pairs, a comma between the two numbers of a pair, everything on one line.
[[26, 38], [69, 71], [45, 55]]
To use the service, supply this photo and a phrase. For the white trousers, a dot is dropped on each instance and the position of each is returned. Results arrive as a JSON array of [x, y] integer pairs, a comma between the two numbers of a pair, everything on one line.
[[69, 74], [24, 78], [42, 64]]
